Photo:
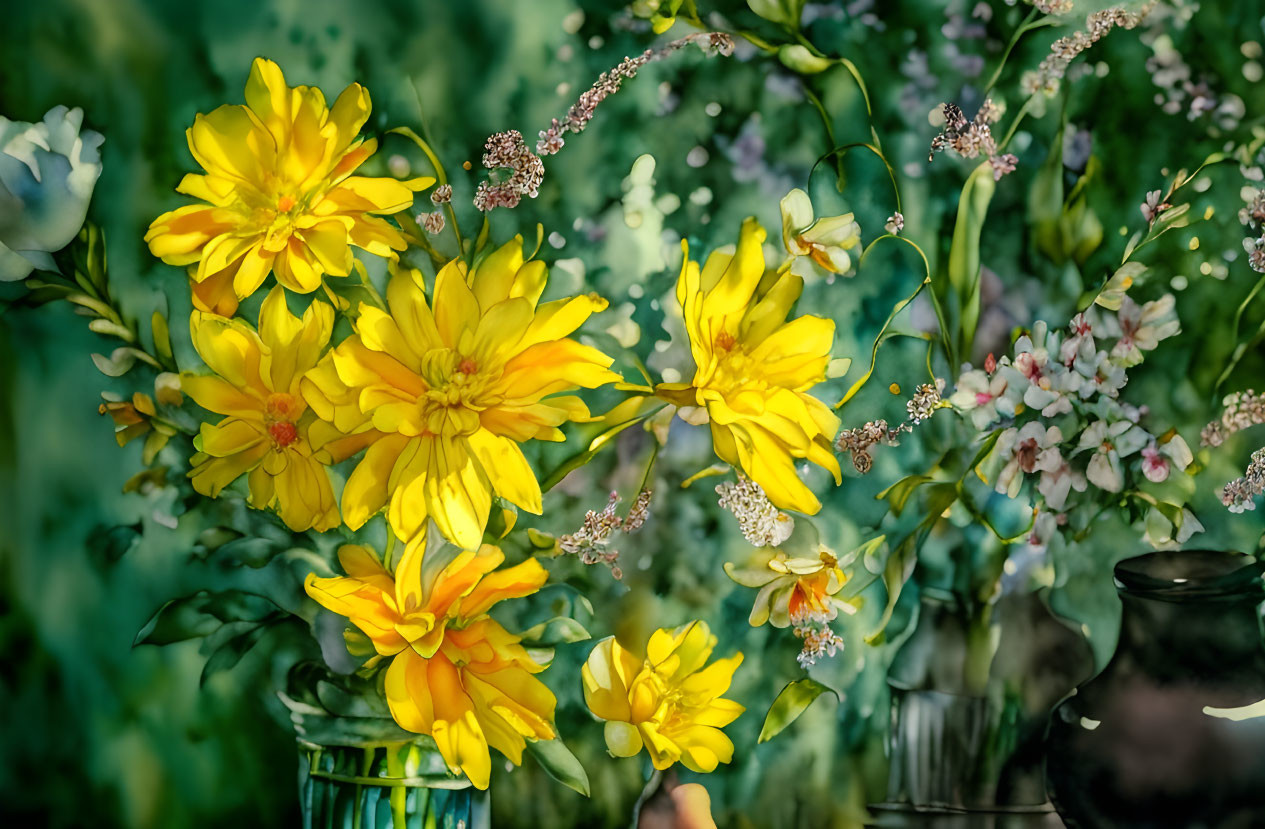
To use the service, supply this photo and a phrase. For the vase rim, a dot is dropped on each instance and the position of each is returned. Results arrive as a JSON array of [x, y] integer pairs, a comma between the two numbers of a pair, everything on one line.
[[1195, 574]]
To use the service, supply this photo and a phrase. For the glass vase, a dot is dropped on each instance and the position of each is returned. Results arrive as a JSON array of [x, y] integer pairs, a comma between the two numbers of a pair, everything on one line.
[[970, 697], [386, 786], [1172, 731]]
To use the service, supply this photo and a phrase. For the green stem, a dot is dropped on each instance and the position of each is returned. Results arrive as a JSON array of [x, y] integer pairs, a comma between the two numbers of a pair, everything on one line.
[[434, 160], [1010, 133], [830, 133], [1026, 26], [652, 786]]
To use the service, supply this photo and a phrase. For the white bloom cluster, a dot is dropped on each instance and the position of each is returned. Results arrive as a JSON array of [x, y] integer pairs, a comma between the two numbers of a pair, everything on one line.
[[762, 524], [819, 642], [1076, 377]]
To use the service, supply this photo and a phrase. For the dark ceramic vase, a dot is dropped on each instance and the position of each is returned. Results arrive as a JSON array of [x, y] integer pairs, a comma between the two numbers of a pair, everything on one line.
[[1167, 735]]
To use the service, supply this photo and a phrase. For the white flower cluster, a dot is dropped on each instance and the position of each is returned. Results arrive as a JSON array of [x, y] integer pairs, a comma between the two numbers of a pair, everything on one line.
[[762, 524], [1076, 378], [819, 642]]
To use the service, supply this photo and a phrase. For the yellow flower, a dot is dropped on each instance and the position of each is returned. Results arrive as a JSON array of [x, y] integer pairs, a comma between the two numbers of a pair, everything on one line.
[[753, 369], [454, 673], [668, 702], [452, 388], [826, 240], [795, 591], [268, 430], [279, 192]]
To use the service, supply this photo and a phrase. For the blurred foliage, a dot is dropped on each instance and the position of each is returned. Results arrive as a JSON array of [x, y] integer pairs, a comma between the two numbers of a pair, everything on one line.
[[101, 733]]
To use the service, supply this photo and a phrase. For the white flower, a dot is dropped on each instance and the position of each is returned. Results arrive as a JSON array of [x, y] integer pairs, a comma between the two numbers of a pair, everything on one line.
[[1056, 484], [1142, 327], [981, 397], [1110, 443], [1032, 377], [826, 240], [1080, 345], [1101, 376], [1030, 449], [47, 174]]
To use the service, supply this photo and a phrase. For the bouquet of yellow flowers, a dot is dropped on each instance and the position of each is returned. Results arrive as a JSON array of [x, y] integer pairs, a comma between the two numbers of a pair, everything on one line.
[[387, 443]]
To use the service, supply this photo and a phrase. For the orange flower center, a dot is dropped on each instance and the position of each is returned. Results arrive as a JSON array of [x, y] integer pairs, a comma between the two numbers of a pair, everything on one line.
[[725, 341], [280, 412], [281, 406], [286, 203], [283, 433], [467, 366]]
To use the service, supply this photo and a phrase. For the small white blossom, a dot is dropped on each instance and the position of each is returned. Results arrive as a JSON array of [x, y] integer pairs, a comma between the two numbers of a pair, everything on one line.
[[762, 524], [981, 397], [1033, 448]]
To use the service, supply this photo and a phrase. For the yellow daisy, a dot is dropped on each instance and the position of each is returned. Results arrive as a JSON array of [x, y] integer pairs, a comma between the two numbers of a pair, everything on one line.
[[753, 369], [268, 430], [451, 388], [454, 673], [279, 195], [668, 703]]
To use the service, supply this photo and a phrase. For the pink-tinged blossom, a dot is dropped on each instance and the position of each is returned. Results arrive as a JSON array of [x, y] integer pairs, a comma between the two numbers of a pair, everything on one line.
[[1032, 448], [978, 395], [1154, 465], [1080, 344]]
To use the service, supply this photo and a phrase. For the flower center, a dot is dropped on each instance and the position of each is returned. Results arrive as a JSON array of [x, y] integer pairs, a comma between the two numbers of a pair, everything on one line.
[[283, 433], [725, 341], [286, 203], [280, 412], [456, 393], [282, 406]]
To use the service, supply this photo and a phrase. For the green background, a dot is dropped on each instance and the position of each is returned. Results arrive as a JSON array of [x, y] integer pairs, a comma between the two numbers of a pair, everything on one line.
[[98, 733]]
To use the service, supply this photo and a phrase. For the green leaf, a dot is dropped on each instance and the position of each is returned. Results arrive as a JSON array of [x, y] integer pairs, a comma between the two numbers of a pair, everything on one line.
[[231, 652], [964, 258], [1045, 201], [560, 764], [109, 328], [798, 59], [555, 631], [899, 493], [883, 332], [896, 572], [585, 455], [162, 337], [782, 12], [201, 614], [792, 701]]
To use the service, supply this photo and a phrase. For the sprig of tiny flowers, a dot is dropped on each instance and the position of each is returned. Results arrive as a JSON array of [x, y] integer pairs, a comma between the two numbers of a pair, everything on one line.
[[591, 543], [1077, 378], [762, 524], [1252, 217], [1066, 49], [1241, 410], [971, 139], [860, 441], [1239, 494], [515, 171]]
